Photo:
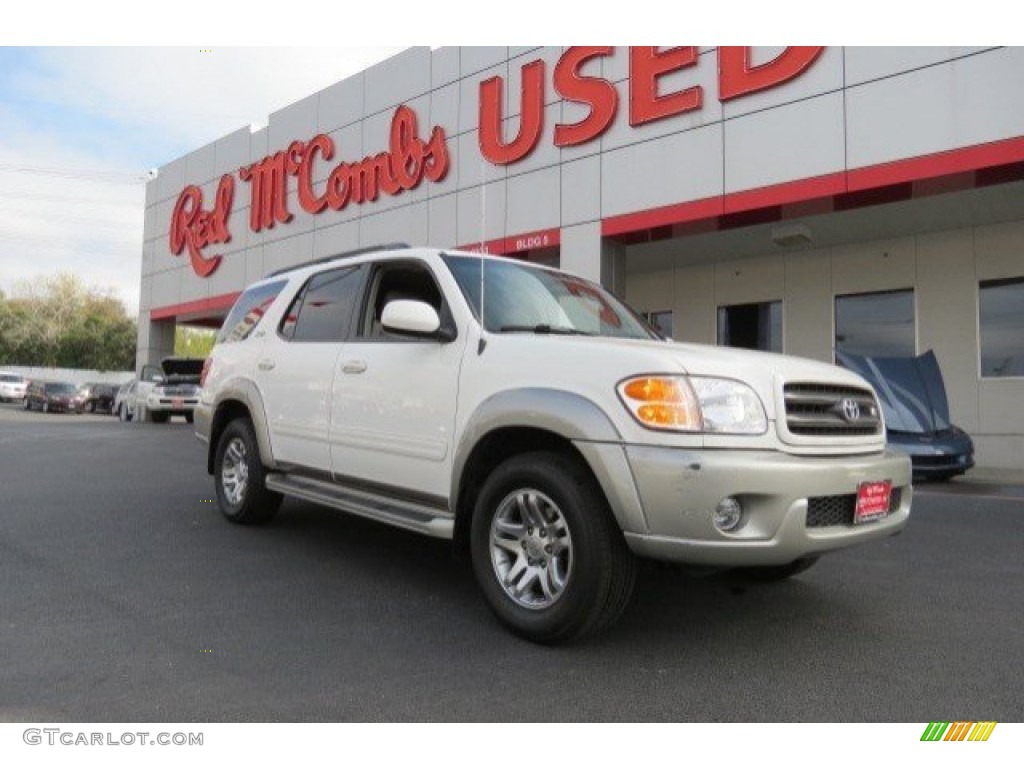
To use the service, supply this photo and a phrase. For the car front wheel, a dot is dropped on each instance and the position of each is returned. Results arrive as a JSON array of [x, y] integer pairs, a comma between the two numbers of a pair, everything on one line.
[[547, 553], [240, 478]]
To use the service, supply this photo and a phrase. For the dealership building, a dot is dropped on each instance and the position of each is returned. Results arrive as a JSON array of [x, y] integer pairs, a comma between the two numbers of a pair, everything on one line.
[[801, 199]]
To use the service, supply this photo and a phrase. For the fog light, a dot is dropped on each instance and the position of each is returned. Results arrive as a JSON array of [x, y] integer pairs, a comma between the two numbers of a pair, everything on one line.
[[728, 514]]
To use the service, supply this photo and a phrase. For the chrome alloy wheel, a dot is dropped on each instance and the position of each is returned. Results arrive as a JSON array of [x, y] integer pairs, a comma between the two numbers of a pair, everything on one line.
[[234, 473], [531, 549]]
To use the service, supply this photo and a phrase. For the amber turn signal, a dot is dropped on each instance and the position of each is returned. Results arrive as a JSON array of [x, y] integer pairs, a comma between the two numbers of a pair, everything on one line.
[[662, 402]]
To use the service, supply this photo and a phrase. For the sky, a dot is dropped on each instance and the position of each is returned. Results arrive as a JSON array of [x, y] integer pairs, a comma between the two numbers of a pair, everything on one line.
[[80, 128]]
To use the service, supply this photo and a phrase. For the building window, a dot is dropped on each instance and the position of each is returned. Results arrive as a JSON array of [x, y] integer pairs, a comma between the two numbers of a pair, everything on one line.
[[876, 324], [661, 321], [751, 326], [1001, 327]]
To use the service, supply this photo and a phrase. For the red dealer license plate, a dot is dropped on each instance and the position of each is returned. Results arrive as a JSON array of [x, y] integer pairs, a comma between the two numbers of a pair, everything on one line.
[[872, 501], [178, 402]]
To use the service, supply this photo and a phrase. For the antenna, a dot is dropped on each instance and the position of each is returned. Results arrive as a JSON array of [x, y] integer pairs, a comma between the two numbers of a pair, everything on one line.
[[482, 344]]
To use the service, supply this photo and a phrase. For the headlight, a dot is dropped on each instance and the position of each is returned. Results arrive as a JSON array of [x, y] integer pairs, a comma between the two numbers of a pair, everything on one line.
[[697, 404], [729, 407]]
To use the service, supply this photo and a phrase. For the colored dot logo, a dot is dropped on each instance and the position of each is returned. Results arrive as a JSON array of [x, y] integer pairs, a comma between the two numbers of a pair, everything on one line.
[[958, 731]]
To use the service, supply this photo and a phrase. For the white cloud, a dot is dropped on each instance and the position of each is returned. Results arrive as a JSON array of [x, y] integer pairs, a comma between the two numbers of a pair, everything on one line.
[[122, 111], [191, 94]]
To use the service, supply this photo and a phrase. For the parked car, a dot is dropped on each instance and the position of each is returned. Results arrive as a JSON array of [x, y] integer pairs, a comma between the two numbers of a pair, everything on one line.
[[532, 418], [12, 386], [124, 401], [913, 398], [172, 389], [52, 397], [97, 396]]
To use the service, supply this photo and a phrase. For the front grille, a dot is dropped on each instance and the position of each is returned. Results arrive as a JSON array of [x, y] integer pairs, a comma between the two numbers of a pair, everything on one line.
[[831, 410], [183, 390], [823, 511]]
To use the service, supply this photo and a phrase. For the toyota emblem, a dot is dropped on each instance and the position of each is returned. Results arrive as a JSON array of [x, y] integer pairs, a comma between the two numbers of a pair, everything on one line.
[[851, 409]]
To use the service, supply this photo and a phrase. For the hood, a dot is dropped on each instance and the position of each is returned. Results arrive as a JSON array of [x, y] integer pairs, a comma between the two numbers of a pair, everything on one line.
[[910, 389], [181, 370]]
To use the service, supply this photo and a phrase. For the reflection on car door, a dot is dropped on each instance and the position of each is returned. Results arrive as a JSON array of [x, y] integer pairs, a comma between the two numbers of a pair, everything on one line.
[[393, 411]]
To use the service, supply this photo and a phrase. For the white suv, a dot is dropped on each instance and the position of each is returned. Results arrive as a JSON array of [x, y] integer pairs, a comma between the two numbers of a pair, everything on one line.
[[172, 389], [12, 386], [553, 442]]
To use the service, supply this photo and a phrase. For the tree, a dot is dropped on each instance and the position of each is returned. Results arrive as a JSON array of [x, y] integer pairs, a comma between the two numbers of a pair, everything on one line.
[[59, 322], [193, 342]]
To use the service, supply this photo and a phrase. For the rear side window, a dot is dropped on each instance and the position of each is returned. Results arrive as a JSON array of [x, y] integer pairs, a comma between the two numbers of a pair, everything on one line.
[[323, 309], [248, 311]]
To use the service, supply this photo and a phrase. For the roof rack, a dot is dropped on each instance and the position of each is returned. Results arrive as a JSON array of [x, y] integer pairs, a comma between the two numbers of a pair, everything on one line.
[[343, 255]]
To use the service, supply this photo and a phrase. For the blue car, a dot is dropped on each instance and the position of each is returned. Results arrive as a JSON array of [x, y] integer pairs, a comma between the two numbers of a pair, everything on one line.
[[913, 399]]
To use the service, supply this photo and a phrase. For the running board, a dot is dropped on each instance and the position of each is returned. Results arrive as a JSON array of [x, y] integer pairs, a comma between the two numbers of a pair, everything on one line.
[[398, 512]]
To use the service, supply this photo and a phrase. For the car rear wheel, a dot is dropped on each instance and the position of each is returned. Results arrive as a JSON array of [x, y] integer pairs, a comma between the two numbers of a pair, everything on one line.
[[547, 553], [240, 478]]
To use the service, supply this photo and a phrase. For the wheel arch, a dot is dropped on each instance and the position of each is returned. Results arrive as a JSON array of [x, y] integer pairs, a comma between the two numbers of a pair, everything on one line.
[[525, 420], [239, 399]]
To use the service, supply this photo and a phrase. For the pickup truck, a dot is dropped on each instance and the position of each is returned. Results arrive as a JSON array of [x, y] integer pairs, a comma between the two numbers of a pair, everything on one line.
[[535, 420]]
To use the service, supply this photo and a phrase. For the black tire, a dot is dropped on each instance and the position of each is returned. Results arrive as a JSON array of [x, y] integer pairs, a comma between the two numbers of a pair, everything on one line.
[[189, 418], [768, 573], [256, 504], [28, 404], [159, 418], [599, 569]]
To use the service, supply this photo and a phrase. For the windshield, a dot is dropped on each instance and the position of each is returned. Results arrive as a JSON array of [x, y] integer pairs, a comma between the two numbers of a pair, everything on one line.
[[61, 389], [519, 298]]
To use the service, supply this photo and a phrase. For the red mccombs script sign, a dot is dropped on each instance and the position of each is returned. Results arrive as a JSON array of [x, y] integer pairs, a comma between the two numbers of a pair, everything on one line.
[[410, 159]]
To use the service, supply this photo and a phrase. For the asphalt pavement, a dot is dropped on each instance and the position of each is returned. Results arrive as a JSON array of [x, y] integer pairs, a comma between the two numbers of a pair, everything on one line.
[[124, 596]]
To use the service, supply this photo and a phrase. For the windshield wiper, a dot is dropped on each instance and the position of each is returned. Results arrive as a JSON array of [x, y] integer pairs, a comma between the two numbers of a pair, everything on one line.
[[544, 328]]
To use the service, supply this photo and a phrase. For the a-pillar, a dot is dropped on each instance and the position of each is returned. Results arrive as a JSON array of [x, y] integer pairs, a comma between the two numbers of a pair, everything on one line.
[[585, 253]]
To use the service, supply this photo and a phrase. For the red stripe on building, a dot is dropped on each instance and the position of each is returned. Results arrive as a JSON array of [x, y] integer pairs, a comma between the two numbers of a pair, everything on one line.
[[213, 304]]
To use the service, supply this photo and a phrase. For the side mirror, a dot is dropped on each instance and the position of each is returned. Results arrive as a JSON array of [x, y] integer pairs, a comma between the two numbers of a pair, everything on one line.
[[414, 318]]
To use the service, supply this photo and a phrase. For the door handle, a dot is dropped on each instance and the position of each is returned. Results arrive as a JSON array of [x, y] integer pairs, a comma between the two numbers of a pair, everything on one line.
[[266, 365], [353, 366]]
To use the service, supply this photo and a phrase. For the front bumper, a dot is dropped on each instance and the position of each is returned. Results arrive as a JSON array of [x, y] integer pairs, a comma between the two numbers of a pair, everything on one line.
[[678, 491], [936, 454], [175, 406]]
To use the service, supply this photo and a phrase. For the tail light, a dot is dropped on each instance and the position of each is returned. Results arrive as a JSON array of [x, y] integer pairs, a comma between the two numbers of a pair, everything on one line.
[[207, 364]]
